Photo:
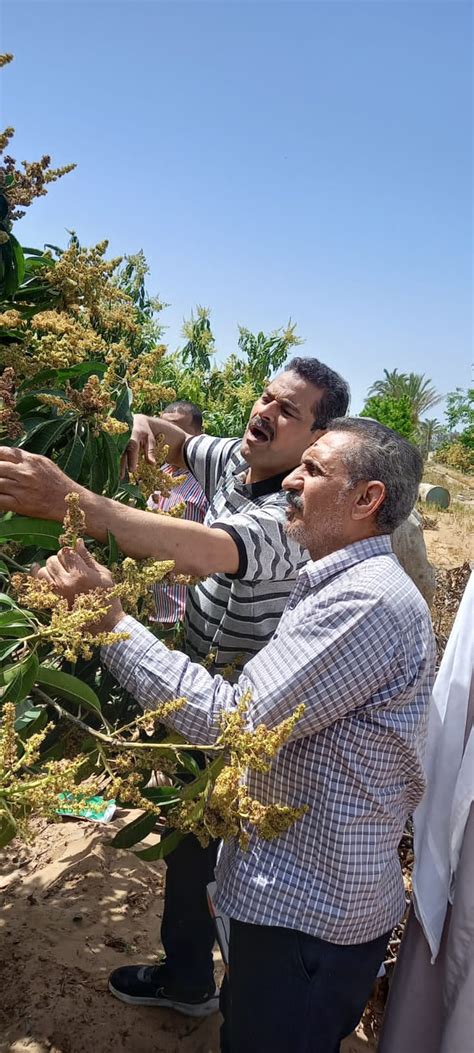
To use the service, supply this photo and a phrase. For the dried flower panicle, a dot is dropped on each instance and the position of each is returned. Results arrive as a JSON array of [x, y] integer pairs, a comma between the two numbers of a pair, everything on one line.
[[151, 718], [92, 402], [83, 276], [74, 521], [141, 376], [134, 579], [11, 319], [229, 810], [24, 793], [176, 512], [29, 181], [70, 629], [150, 478], [34, 592], [255, 748], [10, 421]]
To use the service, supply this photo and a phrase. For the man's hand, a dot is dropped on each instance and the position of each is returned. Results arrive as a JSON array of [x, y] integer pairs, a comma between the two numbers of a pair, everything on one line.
[[32, 485], [142, 438], [75, 571]]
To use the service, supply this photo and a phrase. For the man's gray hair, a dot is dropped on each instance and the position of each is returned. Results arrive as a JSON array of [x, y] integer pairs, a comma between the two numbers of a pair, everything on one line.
[[380, 453]]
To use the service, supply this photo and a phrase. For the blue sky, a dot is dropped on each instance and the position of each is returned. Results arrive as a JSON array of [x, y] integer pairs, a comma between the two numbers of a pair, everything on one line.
[[272, 159]]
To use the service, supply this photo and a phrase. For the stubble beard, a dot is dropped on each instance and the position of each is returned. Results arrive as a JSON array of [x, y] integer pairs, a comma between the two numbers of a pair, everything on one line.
[[325, 537]]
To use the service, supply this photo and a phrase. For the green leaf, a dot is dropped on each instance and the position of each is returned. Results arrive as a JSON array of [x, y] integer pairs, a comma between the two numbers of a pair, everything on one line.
[[71, 460], [68, 687], [98, 470], [123, 406], [135, 831], [7, 825], [30, 719], [18, 258], [112, 458], [37, 252], [15, 624], [18, 679], [42, 438], [27, 404], [113, 551], [162, 849], [36, 263], [164, 795], [190, 764], [60, 376], [41, 532], [6, 601], [7, 647]]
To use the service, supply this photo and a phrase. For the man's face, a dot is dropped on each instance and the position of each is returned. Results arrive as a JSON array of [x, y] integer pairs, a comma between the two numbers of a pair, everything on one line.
[[321, 499], [280, 424], [183, 419]]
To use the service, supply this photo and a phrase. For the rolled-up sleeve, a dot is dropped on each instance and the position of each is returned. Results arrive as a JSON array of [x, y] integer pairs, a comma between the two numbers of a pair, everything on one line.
[[266, 553]]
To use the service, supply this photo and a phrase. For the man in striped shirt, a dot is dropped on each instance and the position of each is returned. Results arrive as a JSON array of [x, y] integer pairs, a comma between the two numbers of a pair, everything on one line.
[[311, 910], [170, 600]]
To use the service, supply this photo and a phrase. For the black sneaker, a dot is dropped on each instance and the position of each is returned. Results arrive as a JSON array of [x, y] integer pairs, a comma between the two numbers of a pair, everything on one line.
[[145, 985]]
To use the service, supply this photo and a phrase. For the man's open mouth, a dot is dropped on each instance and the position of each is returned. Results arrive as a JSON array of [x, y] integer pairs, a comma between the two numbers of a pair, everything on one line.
[[260, 430]]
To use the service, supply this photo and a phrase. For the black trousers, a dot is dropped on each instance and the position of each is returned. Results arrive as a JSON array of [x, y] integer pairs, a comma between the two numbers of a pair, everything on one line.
[[288, 992], [187, 929]]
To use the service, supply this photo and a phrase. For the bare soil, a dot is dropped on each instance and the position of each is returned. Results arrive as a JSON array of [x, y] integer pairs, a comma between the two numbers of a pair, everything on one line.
[[449, 534], [73, 909]]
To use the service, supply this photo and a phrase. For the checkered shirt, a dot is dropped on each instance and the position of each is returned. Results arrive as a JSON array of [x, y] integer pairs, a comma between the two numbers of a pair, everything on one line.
[[355, 644]]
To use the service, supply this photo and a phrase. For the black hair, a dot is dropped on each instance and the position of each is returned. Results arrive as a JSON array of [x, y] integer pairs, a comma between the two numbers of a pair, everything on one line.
[[334, 401], [187, 407]]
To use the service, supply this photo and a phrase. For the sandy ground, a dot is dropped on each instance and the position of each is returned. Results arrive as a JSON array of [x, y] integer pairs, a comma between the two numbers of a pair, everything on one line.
[[73, 909], [450, 540]]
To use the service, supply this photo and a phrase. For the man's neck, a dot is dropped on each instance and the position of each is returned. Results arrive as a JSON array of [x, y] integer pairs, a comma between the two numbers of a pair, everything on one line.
[[258, 475]]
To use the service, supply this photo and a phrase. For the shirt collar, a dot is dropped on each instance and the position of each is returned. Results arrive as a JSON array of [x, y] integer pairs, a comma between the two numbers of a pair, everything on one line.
[[320, 570], [272, 485]]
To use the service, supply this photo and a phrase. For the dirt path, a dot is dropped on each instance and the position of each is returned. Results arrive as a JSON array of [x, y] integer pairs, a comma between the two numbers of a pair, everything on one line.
[[73, 909]]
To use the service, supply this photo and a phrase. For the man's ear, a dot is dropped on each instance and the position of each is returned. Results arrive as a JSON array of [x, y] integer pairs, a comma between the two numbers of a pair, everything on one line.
[[368, 500]]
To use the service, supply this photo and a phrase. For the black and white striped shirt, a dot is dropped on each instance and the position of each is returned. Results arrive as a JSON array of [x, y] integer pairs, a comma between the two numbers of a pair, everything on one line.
[[235, 615]]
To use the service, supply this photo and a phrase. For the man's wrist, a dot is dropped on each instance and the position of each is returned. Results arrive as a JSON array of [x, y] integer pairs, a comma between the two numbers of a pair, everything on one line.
[[110, 620]]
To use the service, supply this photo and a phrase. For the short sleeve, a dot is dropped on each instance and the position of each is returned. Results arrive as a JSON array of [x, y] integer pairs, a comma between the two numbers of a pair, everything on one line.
[[266, 553], [207, 457]]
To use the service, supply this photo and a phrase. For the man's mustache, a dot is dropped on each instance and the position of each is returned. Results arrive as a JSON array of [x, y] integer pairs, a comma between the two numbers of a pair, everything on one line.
[[259, 422], [294, 501]]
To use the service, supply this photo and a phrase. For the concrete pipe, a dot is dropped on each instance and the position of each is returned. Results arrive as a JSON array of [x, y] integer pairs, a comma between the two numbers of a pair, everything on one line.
[[434, 495]]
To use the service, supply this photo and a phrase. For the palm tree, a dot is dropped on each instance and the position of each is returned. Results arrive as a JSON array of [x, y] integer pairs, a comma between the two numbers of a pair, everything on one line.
[[428, 430], [419, 390]]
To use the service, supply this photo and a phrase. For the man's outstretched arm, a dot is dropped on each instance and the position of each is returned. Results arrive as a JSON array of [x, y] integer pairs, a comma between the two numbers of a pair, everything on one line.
[[33, 485]]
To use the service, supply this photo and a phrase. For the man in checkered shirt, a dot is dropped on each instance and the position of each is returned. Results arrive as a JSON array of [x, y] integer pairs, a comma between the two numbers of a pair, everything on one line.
[[312, 910]]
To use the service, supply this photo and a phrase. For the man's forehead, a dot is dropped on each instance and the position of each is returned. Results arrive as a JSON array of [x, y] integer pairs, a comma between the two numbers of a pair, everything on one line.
[[328, 446], [290, 385]]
